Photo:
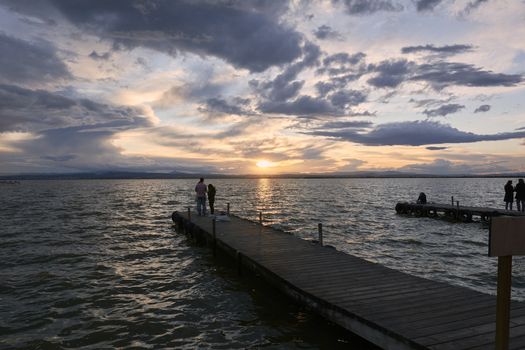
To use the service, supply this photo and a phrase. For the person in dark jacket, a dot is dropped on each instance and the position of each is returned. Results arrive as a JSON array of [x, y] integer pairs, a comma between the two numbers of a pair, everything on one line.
[[211, 197], [422, 199], [520, 195], [509, 195]]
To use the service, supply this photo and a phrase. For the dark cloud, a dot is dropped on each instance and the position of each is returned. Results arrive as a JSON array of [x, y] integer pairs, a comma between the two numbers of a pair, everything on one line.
[[247, 35], [442, 74], [36, 110], [426, 5], [436, 148], [343, 58], [415, 133], [360, 113], [284, 86], [326, 32], [447, 49], [343, 63], [447, 167], [482, 108], [22, 62], [96, 56], [303, 106], [391, 73], [473, 5], [196, 91], [342, 69], [346, 124], [428, 102], [221, 106], [443, 110], [346, 98], [366, 7], [335, 83]]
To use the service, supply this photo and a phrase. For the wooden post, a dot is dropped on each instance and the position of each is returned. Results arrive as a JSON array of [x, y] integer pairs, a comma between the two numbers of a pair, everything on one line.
[[320, 230], [228, 209], [457, 210], [214, 237], [189, 214], [238, 258], [503, 302], [260, 217], [505, 240], [452, 200]]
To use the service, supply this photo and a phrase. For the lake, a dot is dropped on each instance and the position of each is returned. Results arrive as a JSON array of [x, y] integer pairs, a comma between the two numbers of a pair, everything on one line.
[[98, 263]]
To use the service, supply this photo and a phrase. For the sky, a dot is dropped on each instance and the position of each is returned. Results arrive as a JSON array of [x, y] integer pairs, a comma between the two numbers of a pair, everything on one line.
[[262, 86]]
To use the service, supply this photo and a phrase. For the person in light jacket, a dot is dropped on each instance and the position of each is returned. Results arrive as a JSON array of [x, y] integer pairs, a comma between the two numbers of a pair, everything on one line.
[[200, 189]]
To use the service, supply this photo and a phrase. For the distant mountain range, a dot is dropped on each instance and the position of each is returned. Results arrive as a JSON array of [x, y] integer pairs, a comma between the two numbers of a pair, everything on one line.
[[177, 175]]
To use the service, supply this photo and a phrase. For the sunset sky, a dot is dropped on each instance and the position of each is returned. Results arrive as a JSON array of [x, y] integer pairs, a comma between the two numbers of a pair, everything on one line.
[[262, 87]]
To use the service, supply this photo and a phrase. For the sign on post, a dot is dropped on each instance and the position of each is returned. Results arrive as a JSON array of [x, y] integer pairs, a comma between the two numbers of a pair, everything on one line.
[[506, 238]]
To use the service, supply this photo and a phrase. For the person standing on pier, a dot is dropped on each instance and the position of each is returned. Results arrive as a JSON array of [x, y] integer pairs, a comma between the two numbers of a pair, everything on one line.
[[520, 195], [509, 195], [200, 189], [211, 197]]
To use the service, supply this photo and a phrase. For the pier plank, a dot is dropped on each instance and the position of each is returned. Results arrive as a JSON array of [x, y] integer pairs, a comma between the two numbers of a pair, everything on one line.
[[392, 309]]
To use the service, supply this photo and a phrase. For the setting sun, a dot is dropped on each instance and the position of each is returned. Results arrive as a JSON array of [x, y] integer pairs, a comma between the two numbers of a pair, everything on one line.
[[264, 164]]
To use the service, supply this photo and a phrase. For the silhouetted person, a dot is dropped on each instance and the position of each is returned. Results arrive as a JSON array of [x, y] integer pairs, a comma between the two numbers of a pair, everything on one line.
[[509, 194], [520, 195], [211, 197], [422, 199], [200, 189]]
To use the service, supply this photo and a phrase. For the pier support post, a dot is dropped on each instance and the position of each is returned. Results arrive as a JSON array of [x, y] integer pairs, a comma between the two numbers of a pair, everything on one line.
[[260, 217], [320, 230], [452, 200], [228, 209], [213, 225], [238, 258], [189, 214], [503, 302]]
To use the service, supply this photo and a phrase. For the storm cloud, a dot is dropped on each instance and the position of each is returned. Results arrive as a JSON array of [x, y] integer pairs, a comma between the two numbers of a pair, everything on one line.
[[303, 106], [391, 73], [247, 35], [26, 62], [482, 109], [366, 7], [221, 106], [426, 5], [416, 133], [325, 32], [447, 49], [443, 110], [442, 74], [37, 110]]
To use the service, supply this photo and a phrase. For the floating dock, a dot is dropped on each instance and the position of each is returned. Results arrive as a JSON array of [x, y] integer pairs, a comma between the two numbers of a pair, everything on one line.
[[455, 212], [388, 308]]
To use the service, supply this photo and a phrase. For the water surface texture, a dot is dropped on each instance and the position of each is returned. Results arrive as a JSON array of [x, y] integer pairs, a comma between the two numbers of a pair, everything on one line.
[[97, 263]]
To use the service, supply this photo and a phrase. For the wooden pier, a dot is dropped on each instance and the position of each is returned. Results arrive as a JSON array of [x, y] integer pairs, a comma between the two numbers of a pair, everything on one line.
[[455, 212], [389, 308]]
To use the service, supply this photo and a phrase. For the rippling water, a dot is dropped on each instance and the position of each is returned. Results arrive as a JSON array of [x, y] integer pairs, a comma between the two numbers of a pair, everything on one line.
[[97, 264]]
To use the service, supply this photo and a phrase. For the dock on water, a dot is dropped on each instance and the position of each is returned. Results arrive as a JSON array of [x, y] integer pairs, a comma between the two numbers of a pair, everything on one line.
[[455, 212], [389, 308]]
